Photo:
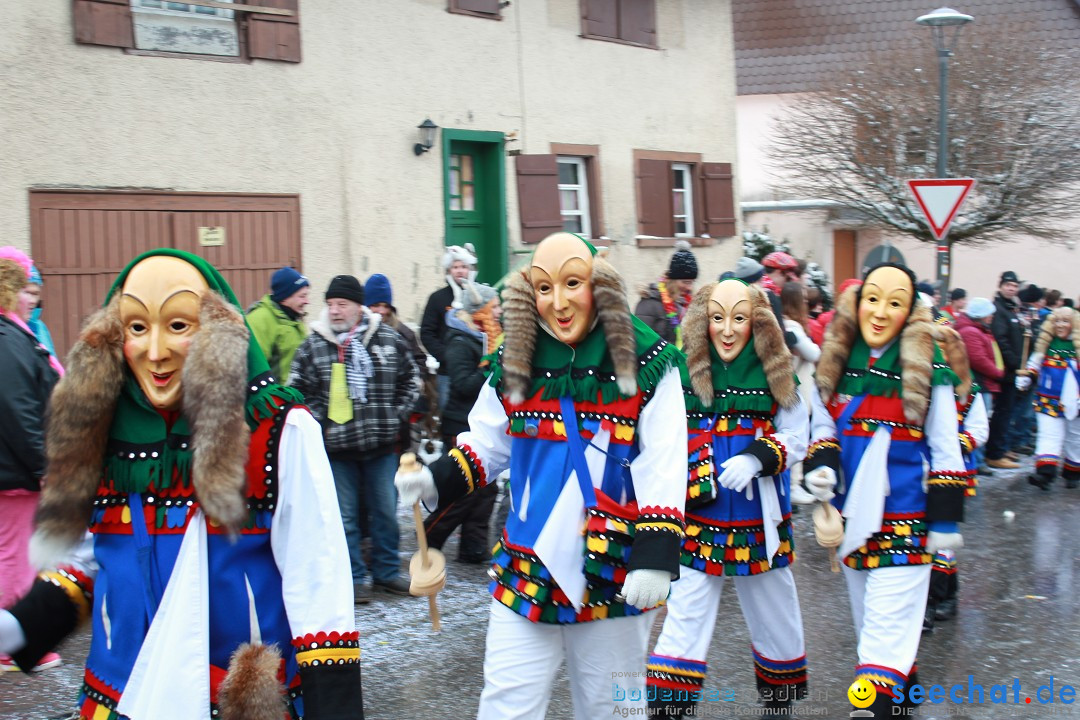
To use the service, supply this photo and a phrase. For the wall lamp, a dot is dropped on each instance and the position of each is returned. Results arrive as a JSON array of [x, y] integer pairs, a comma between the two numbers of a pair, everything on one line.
[[427, 136]]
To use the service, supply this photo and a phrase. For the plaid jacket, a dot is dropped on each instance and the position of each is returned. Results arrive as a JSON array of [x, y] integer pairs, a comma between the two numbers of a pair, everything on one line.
[[391, 393]]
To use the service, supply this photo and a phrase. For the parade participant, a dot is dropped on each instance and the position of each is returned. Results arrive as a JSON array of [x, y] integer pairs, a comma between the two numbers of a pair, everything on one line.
[[746, 424], [663, 304], [572, 352], [886, 411], [1055, 362], [218, 566], [974, 427]]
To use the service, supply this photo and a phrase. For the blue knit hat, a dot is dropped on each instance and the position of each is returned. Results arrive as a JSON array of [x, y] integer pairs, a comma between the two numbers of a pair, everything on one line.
[[35, 276], [377, 290], [285, 283]]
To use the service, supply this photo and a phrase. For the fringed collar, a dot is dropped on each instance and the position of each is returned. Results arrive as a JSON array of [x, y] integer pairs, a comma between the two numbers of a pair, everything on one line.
[[740, 386], [883, 377]]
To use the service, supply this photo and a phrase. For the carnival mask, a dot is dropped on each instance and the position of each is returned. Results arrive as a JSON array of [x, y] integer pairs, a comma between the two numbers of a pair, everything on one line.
[[159, 309], [885, 305], [561, 277], [1063, 324], [730, 309]]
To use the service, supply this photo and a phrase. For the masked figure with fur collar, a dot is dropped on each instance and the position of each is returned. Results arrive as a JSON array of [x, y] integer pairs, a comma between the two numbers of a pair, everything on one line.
[[746, 424], [1056, 398], [578, 383], [217, 567], [886, 410]]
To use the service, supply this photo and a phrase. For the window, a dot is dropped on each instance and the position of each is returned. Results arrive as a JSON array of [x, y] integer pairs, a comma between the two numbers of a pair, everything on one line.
[[574, 196], [268, 30], [185, 28], [462, 183], [480, 8], [682, 199], [626, 21], [681, 196]]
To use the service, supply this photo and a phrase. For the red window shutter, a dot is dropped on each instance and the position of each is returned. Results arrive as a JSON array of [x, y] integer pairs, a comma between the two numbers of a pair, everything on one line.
[[654, 198], [600, 18], [637, 21], [274, 37], [538, 196], [719, 191], [487, 7], [104, 22]]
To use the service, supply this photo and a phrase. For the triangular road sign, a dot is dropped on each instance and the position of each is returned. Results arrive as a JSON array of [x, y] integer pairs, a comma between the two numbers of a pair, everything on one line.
[[940, 199]]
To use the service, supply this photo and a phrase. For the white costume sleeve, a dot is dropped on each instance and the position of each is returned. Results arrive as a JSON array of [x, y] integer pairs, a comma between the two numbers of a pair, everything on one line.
[[659, 470], [307, 536], [942, 431], [977, 424], [487, 436], [822, 425], [793, 430]]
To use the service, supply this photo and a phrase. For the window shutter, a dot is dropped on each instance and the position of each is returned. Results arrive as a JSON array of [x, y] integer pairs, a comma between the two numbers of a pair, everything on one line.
[[719, 191], [274, 37], [600, 18], [104, 22], [638, 21], [654, 198], [487, 7], [538, 196]]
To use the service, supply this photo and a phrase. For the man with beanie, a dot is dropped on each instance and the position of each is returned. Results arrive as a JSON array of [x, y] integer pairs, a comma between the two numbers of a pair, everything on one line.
[[1020, 437], [663, 303], [958, 300], [359, 379], [459, 262], [1009, 334], [277, 320]]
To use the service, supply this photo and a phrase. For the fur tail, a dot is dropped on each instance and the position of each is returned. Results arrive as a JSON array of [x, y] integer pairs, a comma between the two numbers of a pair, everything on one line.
[[251, 690]]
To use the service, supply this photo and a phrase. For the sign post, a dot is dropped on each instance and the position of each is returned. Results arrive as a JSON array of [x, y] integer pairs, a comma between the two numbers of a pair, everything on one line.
[[940, 199]]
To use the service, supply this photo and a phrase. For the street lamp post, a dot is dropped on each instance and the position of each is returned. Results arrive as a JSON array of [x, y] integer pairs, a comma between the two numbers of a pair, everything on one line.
[[939, 22]]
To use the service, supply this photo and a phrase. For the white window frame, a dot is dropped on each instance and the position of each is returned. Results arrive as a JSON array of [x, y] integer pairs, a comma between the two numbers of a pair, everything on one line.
[[687, 190], [582, 191], [194, 11]]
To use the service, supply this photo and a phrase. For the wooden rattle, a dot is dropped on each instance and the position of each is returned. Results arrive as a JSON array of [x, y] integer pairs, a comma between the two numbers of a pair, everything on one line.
[[427, 568], [829, 531]]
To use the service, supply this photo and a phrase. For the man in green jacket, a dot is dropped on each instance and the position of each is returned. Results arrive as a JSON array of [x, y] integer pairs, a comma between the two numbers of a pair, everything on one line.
[[277, 320]]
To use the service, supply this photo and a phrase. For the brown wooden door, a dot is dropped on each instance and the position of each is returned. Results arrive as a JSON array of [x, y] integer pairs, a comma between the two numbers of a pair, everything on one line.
[[844, 265], [81, 241]]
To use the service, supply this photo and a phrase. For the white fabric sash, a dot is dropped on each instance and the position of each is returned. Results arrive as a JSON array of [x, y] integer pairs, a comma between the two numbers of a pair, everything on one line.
[[1070, 392], [770, 513], [865, 503], [176, 652]]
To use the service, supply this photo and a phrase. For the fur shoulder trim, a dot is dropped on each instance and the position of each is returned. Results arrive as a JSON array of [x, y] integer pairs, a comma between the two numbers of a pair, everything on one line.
[[520, 324], [771, 349], [839, 337], [80, 415], [917, 363], [251, 689], [12, 280], [609, 295], [952, 346], [695, 333]]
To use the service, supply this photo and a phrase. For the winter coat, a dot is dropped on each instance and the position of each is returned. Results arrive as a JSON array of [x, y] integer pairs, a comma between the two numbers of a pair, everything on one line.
[[391, 392], [1008, 332], [979, 342], [28, 382], [278, 335], [464, 351], [650, 310], [804, 353], [433, 325]]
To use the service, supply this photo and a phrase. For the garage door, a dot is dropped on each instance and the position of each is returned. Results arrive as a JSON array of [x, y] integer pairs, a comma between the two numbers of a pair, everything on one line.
[[81, 241]]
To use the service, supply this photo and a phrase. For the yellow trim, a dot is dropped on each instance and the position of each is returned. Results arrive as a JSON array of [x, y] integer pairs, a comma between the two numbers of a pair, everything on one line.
[[74, 592], [327, 656], [466, 470], [672, 527]]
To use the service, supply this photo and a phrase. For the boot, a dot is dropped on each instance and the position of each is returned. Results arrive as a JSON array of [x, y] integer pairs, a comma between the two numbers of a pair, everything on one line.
[[946, 609], [1043, 477], [1072, 479], [928, 617]]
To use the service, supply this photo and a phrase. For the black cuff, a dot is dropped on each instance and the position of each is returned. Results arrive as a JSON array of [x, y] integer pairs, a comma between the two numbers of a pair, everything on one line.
[[770, 453], [332, 692], [944, 504], [450, 479], [826, 454], [47, 616], [655, 550]]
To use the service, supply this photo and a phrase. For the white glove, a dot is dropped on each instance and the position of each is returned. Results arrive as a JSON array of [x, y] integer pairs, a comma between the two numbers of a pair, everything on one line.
[[418, 485], [1023, 382], [12, 638], [432, 364], [820, 482], [936, 541], [645, 588], [739, 470]]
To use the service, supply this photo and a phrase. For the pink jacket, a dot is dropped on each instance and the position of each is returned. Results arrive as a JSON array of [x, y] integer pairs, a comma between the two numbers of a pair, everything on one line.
[[981, 349]]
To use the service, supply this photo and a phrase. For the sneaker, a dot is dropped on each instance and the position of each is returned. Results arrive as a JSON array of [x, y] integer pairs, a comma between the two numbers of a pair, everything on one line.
[[396, 586], [7, 664], [361, 594], [48, 660], [1002, 463]]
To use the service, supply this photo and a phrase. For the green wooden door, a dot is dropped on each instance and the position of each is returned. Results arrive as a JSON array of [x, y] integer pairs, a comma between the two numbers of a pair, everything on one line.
[[475, 198]]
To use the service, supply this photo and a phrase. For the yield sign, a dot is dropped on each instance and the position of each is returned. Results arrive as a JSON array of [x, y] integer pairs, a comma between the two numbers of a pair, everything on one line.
[[939, 200]]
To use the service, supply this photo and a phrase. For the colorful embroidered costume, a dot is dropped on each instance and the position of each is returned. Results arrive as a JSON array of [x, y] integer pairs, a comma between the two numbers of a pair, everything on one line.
[[751, 407], [884, 414], [1056, 403], [214, 526]]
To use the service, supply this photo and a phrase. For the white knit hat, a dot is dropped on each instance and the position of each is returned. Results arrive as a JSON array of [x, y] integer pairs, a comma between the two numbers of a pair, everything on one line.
[[466, 254]]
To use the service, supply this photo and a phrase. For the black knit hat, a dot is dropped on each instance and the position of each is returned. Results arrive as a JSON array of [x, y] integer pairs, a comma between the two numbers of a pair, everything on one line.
[[347, 287], [957, 294], [683, 264], [1030, 294]]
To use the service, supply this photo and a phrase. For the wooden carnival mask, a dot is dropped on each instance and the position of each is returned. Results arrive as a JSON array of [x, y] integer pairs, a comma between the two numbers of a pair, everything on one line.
[[884, 305], [159, 310], [730, 310], [561, 278]]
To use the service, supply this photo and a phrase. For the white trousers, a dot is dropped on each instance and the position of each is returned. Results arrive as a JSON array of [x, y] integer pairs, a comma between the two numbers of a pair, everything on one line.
[[522, 657], [887, 605], [1058, 437], [770, 606]]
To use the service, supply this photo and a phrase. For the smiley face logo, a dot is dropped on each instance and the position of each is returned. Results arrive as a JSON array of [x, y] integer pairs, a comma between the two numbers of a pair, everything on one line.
[[862, 693]]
